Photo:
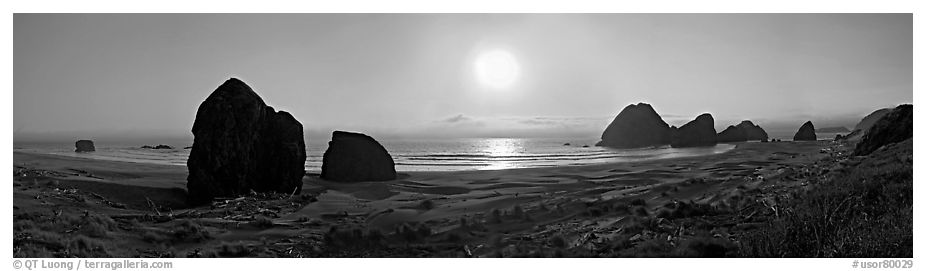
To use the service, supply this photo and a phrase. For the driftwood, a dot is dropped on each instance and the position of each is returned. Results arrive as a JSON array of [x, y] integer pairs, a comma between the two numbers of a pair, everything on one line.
[[108, 202]]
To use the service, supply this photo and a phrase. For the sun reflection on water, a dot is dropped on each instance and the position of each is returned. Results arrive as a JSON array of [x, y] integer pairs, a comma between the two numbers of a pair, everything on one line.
[[499, 149]]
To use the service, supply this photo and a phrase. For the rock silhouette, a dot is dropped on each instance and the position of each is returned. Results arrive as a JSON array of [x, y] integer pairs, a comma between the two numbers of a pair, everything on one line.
[[695, 133], [240, 144], [753, 132], [634, 127], [806, 133], [84, 145], [862, 127], [744, 131], [895, 126], [870, 120], [356, 157], [732, 134]]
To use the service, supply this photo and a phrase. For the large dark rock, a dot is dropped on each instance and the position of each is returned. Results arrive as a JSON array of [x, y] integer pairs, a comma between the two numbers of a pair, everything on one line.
[[732, 134], [634, 127], [240, 144], [753, 132], [356, 157], [854, 135], [895, 126], [805, 133], [744, 131], [862, 127], [698, 132], [84, 145], [870, 120]]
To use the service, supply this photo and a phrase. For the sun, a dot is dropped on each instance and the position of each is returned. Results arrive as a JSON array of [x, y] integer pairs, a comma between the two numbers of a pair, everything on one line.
[[497, 69]]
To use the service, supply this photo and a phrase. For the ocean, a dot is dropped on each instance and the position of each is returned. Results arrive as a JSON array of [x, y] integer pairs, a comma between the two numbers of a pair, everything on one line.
[[419, 155]]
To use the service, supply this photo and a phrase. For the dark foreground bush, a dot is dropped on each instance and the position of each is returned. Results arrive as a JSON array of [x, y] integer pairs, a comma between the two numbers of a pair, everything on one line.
[[867, 212], [706, 247]]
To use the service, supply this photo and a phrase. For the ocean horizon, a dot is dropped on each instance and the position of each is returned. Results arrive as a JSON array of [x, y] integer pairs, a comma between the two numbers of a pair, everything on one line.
[[415, 155]]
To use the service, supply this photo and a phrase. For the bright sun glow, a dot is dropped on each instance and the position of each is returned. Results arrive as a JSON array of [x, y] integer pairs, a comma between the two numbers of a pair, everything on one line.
[[496, 69]]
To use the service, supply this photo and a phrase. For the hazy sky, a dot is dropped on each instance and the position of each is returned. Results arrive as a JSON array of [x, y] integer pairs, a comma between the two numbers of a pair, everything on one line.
[[97, 75]]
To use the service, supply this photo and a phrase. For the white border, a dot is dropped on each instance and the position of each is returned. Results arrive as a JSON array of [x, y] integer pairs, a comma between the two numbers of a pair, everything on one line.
[[466, 6], [418, 6]]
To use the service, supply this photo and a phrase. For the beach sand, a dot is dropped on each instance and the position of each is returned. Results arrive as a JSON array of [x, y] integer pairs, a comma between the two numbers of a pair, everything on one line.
[[65, 206]]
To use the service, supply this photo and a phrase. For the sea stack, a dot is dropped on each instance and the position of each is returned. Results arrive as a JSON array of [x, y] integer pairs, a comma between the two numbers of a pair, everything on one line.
[[84, 145], [356, 157], [753, 132], [634, 127], [732, 134], [744, 131], [240, 144], [895, 126], [696, 133], [806, 133]]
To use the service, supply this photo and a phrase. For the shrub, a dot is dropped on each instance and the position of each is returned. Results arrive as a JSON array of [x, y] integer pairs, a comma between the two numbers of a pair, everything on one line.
[[454, 237], [153, 237], [424, 230], [427, 204], [363, 239], [190, 231], [704, 246], [496, 216], [518, 211], [23, 224], [681, 209], [621, 207], [865, 212], [226, 250], [656, 247], [640, 211], [262, 222], [594, 211], [543, 207], [95, 225], [664, 213], [84, 247], [408, 233], [558, 241]]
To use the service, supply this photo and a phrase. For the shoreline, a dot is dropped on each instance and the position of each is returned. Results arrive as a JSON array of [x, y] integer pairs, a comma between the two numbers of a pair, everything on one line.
[[28, 155]]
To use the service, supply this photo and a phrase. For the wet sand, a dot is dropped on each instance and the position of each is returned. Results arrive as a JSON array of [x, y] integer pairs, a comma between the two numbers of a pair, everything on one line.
[[452, 214]]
